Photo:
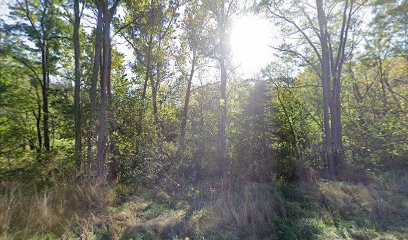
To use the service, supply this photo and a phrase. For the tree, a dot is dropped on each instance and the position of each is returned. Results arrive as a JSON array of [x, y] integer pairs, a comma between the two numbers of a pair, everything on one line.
[[196, 39], [94, 79], [41, 25], [148, 29], [329, 53], [77, 73], [222, 12], [105, 78]]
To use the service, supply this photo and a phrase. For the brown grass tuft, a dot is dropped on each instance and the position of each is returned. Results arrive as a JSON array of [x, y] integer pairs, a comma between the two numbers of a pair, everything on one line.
[[248, 207], [25, 211]]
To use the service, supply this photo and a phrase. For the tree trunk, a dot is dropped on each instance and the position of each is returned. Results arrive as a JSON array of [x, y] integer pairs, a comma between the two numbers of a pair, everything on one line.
[[94, 80], [101, 148], [101, 153], [223, 117], [184, 116], [337, 130], [155, 88], [77, 100], [37, 117], [45, 84], [114, 161], [325, 78], [38, 126], [45, 80], [147, 76]]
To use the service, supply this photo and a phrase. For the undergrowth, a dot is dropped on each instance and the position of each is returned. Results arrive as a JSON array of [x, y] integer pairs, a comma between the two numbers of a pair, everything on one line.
[[323, 209]]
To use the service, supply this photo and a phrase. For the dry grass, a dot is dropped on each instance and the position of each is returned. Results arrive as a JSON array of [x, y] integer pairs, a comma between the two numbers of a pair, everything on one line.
[[252, 204], [382, 203], [224, 210], [26, 212], [239, 212]]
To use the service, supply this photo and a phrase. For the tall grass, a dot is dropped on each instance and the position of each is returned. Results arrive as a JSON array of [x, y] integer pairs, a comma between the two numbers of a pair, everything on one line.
[[26, 211], [242, 211]]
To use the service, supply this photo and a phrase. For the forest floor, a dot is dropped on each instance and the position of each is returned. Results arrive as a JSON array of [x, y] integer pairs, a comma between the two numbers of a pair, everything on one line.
[[376, 208]]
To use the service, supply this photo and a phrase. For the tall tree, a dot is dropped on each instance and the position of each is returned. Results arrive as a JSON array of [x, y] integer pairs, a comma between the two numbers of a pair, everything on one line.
[[222, 11], [77, 93], [105, 78], [94, 80], [194, 29], [325, 79], [328, 43]]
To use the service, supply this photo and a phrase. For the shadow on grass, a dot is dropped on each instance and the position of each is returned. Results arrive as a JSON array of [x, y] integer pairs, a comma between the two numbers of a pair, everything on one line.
[[313, 210]]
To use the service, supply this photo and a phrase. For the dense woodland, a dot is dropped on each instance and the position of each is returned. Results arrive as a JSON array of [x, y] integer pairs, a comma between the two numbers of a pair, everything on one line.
[[130, 119]]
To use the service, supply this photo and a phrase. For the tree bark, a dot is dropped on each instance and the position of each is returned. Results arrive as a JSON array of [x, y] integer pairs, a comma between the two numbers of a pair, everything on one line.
[[325, 78], [223, 117], [38, 125], [101, 153], [45, 86], [77, 97], [155, 86], [45, 79], [337, 65], [147, 76], [94, 80], [114, 161], [184, 116], [101, 147]]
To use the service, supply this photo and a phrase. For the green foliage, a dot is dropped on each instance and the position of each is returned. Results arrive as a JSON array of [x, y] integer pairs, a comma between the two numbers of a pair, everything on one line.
[[156, 188]]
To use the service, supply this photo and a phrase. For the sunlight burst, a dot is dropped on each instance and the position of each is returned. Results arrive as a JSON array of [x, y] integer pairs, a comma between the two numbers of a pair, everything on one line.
[[250, 37]]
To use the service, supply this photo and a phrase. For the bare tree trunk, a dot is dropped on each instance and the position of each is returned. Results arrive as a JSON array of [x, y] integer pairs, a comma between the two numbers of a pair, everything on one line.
[[45, 85], [45, 81], [154, 86], [336, 127], [184, 116], [147, 76], [223, 117], [325, 78], [114, 163], [38, 125], [149, 53], [77, 97], [94, 80], [101, 148], [101, 153]]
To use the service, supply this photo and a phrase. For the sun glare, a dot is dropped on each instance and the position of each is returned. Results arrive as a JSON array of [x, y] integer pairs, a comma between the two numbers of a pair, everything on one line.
[[250, 38]]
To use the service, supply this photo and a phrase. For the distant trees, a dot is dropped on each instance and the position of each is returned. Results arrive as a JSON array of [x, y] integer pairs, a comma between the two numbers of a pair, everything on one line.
[[181, 110]]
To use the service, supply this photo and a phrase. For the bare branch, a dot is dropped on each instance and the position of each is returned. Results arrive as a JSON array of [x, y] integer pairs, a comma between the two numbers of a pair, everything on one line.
[[297, 27], [297, 54]]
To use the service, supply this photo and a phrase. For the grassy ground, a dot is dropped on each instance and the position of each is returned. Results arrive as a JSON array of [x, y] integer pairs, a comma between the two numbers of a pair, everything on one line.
[[376, 208]]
